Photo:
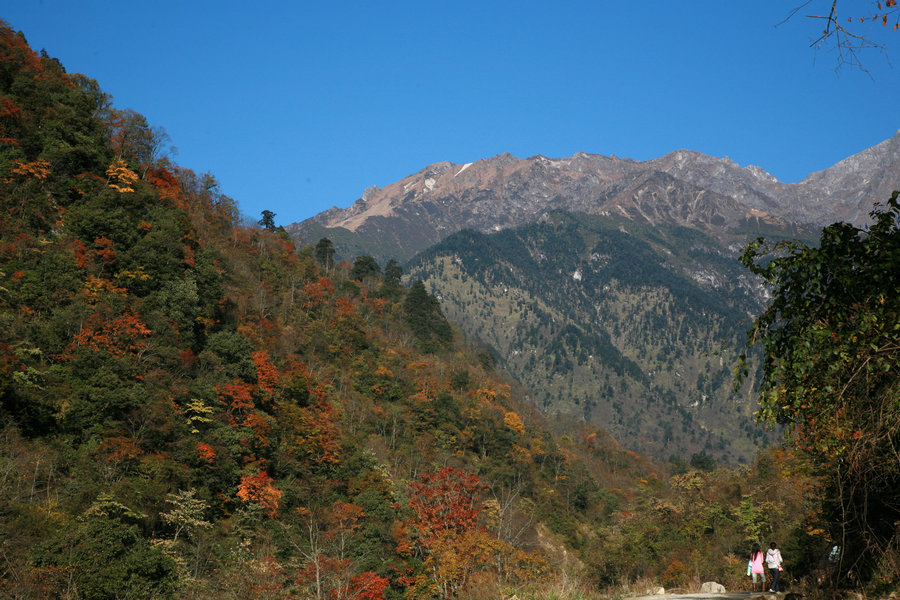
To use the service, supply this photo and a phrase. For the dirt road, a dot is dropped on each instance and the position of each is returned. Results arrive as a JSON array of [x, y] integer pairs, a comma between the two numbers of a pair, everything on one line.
[[708, 596]]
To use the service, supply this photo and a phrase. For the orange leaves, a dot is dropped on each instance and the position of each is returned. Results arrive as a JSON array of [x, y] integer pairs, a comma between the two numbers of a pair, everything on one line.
[[445, 531], [514, 422], [105, 252], [18, 53], [890, 4], [260, 426], [38, 169], [887, 7], [317, 292], [206, 452], [302, 379], [445, 501], [520, 454], [318, 436], [119, 448], [345, 307], [267, 376], [260, 488], [236, 395], [368, 586], [378, 305], [346, 515], [120, 177], [167, 186], [456, 558], [9, 110], [189, 259], [489, 395], [118, 335]]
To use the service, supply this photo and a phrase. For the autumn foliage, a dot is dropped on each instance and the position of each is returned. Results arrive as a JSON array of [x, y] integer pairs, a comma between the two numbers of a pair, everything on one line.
[[260, 488], [193, 407]]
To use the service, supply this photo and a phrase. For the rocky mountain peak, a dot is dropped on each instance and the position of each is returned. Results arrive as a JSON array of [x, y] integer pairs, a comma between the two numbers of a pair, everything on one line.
[[684, 187]]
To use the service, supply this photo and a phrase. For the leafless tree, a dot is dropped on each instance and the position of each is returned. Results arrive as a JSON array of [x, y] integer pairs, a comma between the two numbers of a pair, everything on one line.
[[844, 32]]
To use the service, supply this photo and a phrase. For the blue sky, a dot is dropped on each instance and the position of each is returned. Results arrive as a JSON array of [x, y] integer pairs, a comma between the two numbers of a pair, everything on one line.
[[298, 106]]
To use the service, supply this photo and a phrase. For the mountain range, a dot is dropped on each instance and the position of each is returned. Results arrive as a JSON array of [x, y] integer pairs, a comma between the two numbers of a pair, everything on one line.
[[191, 406], [681, 188], [609, 287]]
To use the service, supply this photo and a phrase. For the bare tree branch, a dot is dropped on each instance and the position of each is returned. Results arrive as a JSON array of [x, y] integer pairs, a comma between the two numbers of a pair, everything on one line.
[[847, 42]]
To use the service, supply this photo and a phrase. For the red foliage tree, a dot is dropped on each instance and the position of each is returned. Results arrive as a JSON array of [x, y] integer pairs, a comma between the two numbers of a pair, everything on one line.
[[260, 427], [237, 396], [167, 186], [267, 376], [105, 252], [317, 292], [206, 452], [368, 586], [444, 502], [260, 488], [120, 335], [317, 434]]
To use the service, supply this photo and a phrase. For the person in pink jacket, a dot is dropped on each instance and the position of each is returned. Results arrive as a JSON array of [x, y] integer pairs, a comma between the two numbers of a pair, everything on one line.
[[757, 572]]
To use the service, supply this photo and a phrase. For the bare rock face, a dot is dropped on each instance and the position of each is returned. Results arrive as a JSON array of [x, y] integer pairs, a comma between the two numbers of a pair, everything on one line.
[[685, 188]]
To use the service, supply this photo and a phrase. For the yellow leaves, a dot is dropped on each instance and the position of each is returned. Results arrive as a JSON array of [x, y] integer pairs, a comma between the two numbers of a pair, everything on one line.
[[514, 422], [486, 395], [667, 508], [138, 274], [94, 286], [196, 412], [489, 395], [456, 557], [520, 454], [120, 177], [39, 169], [687, 481]]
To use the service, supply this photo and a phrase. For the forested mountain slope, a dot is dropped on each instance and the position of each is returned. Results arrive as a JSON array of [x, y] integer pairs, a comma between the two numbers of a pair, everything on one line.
[[191, 407], [630, 327]]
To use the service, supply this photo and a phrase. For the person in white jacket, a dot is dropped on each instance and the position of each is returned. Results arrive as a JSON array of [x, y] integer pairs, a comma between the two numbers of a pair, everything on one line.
[[773, 562]]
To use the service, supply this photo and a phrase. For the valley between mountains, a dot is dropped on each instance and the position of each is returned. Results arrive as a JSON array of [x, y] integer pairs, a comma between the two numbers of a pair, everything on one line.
[[610, 288], [195, 405]]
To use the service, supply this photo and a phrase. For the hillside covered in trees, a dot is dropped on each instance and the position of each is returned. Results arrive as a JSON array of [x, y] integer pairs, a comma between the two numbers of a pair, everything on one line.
[[192, 407], [632, 327]]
